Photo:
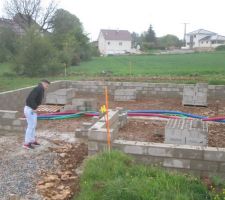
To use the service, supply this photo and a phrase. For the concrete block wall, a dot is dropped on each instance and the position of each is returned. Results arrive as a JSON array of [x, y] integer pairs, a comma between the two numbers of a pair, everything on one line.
[[185, 158], [61, 96], [15, 99], [145, 90], [125, 95], [10, 121], [97, 133], [185, 131], [197, 160]]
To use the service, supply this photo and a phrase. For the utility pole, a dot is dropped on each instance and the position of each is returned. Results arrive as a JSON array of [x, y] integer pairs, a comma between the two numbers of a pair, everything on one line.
[[185, 28]]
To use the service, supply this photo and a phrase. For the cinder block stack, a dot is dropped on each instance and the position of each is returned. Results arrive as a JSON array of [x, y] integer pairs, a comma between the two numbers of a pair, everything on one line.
[[185, 131], [81, 105], [195, 95], [62, 96]]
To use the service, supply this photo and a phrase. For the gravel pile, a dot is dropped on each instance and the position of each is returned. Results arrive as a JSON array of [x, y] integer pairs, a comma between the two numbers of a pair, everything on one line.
[[19, 174]]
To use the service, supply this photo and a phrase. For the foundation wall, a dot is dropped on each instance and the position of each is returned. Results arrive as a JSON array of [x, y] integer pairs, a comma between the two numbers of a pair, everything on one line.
[[197, 160], [15, 99], [11, 121], [145, 90]]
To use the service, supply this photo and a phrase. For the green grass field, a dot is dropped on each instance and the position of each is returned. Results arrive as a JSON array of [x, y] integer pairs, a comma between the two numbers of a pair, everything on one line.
[[156, 65], [115, 176], [186, 68]]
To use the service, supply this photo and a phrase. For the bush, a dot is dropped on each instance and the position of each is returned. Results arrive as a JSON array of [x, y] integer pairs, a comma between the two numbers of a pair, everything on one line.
[[36, 56], [220, 48]]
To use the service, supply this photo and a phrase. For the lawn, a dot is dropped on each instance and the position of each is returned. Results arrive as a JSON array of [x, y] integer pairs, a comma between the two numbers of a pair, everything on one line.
[[186, 68], [115, 176]]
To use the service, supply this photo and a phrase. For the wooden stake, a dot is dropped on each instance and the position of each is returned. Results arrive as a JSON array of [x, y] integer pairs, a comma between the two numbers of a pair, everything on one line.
[[107, 119]]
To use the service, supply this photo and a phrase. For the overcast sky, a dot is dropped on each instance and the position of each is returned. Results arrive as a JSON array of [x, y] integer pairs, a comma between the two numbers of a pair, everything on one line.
[[166, 16]]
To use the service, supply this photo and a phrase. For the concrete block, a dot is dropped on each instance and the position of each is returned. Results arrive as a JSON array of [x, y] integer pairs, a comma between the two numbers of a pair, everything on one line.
[[188, 152], [7, 128], [100, 134], [204, 165], [103, 146], [85, 104], [17, 122], [195, 95], [150, 160], [214, 154], [93, 146], [125, 95], [113, 117], [176, 163], [18, 129], [160, 151], [222, 167], [6, 121], [92, 153], [8, 114], [133, 149], [61, 96], [184, 131], [69, 93]]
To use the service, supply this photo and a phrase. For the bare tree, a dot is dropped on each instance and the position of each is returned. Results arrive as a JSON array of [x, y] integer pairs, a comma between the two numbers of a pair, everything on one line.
[[29, 12]]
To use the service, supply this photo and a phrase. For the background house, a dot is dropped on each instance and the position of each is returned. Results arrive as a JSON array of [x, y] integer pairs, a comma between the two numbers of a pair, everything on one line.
[[114, 42], [203, 39]]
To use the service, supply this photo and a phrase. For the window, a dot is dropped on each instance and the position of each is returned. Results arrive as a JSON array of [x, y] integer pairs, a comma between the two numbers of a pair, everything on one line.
[[120, 43], [108, 43]]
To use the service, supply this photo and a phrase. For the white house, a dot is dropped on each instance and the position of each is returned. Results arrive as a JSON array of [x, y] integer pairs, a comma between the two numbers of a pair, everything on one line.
[[203, 39], [114, 42]]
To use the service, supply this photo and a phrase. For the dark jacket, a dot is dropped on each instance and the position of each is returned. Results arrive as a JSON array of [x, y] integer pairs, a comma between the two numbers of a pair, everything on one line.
[[35, 97]]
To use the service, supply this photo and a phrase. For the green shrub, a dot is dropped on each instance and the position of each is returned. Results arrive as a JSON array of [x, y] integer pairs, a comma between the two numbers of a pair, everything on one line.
[[220, 48], [36, 56]]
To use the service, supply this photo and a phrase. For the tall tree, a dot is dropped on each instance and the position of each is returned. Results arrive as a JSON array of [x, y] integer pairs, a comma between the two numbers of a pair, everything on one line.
[[150, 35], [69, 37], [8, 44], [30, 12]]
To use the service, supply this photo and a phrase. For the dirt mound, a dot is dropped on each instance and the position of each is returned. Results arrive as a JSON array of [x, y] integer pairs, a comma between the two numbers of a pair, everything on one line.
[[63, 183]]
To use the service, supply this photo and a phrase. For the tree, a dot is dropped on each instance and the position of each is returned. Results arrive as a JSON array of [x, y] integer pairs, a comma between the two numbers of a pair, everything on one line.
[[150, 35], [29, 12], [135, 40], [169, 41], [8, 44], [36, 56], [69, 38]]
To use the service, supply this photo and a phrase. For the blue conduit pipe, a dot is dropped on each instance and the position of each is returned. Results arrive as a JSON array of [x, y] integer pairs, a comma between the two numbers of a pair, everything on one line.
[[160, 113], [167, 112]]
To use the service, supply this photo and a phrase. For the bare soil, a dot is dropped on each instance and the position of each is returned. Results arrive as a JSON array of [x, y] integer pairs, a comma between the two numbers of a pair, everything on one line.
[[148, 130]]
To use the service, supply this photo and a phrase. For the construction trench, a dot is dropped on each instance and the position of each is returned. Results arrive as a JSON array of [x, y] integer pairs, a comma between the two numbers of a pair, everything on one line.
[[175, 126]]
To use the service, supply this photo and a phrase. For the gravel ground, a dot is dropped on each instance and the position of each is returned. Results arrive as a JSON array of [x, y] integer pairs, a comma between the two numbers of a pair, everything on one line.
[[20, 169], [18, 174]]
